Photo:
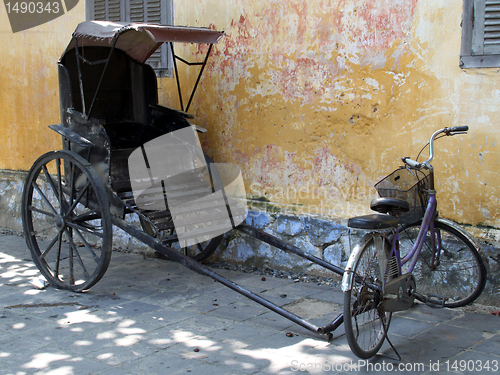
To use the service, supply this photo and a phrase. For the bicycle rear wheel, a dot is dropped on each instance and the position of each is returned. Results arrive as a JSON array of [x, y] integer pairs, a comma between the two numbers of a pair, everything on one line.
[[366, 323], [460, 274]]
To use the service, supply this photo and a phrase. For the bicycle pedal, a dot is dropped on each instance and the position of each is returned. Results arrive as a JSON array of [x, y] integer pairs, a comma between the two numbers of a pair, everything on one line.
[[435, 301]]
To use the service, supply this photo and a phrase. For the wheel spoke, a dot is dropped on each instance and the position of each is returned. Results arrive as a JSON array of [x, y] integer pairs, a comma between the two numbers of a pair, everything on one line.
[[71, 248], [37, 232], [77, 200], [56, 271], [34, 209], [357, 327], [57, 192], [79, 259], [87, 246], [85, 229], [72, 183], [35, 185], [49, 247], [62, 199]]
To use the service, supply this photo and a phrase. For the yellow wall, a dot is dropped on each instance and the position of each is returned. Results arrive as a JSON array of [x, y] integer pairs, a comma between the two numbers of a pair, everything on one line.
[[318, 99], [29, 91], [315, 99]]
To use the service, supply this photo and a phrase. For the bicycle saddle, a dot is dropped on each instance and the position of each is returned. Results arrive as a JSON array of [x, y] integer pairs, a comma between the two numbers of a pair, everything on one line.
[[392, 205], [374, 221]]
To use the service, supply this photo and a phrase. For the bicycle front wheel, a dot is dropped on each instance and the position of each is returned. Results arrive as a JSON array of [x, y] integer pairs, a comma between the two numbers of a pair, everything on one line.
[[366, 323], [459, 274]]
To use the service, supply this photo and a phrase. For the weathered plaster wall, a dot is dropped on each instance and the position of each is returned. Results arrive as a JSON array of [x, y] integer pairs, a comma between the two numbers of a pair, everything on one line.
[[314, 99], [318, 99], [29, 90]]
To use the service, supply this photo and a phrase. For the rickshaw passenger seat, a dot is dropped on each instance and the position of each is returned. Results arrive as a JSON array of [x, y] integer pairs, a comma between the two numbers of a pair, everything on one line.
[[127, 100]]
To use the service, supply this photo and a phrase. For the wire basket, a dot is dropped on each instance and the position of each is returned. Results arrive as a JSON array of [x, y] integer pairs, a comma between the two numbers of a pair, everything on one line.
[[409, 185]]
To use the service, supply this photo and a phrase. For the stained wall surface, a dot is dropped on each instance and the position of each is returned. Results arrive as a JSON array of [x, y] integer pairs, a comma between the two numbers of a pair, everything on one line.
[[315, 99]]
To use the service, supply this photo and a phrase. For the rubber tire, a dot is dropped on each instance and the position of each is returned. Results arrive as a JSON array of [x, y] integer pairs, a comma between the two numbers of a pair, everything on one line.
[[352, 337], [73, 231], [407, 235]]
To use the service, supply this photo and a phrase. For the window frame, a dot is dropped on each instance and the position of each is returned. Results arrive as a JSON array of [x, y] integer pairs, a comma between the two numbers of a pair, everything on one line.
[[163, 68], [472, 53]]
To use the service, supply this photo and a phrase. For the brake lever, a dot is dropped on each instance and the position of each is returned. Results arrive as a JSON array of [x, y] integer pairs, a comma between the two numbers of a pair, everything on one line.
[[406, 165], [409, 170]]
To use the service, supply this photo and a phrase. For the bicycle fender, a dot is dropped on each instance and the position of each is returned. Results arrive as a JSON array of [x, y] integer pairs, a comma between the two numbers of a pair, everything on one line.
[[348, 272]]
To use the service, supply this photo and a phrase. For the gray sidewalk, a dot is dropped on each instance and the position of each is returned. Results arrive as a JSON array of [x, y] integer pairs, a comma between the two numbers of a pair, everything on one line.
[[149, 316]]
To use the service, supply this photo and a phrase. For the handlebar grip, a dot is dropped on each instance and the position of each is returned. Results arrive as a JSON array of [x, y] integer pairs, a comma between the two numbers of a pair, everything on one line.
[[455, 129], [412, 163]]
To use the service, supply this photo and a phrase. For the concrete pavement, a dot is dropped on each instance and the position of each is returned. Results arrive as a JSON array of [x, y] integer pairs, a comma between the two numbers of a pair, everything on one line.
[[150, 316]]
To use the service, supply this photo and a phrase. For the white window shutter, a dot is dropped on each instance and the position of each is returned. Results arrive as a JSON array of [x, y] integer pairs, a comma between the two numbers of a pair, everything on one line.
[[152, 11], [478, 27], [480, 34], [99, 11], [136, 11], [491, 28]]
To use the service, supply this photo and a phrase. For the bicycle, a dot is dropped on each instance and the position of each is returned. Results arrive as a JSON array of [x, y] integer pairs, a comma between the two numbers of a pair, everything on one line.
[[410, 253]]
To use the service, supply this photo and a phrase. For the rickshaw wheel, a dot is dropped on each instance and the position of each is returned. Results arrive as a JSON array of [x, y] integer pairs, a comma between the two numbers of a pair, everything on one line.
[[66, 220], [199, 251]]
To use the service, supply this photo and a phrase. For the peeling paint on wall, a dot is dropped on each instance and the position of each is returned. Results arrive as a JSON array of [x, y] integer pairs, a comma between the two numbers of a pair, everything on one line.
[[29, 90], [314, 96], [315, 99]]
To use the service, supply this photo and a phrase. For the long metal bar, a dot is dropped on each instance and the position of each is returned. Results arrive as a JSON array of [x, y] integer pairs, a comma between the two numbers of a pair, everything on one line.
[[199, 77], [177, 75], [198, 267], [333, 325], [189, 63], [102, 76], [80, 81], [202, 63], [429, 217], [276, 242]]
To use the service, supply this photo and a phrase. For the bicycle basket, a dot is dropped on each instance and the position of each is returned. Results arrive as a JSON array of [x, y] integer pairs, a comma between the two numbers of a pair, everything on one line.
[[409, 185]]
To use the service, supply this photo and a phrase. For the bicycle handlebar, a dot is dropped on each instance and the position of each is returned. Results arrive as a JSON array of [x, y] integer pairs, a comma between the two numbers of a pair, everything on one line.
[[426, 164], [456, 129]]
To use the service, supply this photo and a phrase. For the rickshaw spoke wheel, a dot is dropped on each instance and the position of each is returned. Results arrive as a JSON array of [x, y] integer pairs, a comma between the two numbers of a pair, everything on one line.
[[66, 220]]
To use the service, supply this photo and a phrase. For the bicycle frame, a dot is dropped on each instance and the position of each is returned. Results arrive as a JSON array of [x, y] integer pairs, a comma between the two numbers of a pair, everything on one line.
[[427, 225]]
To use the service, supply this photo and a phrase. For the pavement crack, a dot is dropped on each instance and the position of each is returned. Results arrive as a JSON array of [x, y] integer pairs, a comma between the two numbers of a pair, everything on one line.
[[23, 305]]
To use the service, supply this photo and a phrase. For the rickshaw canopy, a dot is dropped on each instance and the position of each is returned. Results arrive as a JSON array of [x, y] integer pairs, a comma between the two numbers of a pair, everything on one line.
[[138, 40]]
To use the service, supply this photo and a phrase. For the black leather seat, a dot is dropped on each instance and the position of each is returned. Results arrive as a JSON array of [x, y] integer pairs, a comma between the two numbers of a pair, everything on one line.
[[373, 221]]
